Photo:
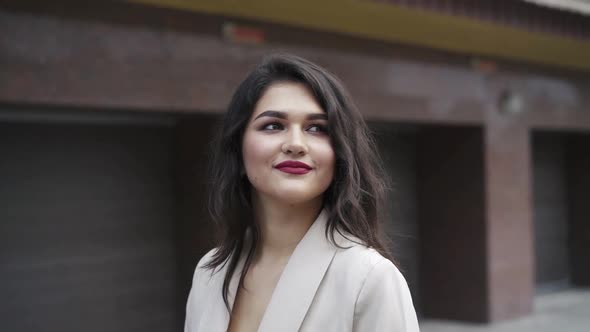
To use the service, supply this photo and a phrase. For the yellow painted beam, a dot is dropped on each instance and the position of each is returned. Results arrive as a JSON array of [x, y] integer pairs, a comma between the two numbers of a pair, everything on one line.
[[399, 24]]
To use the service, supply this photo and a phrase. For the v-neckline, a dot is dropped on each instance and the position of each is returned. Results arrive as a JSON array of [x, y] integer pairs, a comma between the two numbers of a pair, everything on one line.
[[294, 291], [239, 292]]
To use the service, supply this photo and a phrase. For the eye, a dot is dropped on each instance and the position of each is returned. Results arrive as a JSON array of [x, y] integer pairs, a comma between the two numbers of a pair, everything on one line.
[[272, 126], [317, 128]]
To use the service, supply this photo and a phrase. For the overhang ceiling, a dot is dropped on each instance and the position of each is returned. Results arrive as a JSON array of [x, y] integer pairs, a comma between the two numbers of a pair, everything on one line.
[[577, 6], [404, 25]]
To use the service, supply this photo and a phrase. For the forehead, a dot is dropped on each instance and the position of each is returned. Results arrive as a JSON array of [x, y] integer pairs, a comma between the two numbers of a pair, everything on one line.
[[287, 97]]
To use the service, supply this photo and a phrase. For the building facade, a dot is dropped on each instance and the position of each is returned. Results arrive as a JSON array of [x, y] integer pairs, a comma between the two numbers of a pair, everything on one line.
[[107, 110]]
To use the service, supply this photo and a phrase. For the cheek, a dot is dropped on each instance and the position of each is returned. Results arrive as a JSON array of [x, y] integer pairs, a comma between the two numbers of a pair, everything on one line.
[[256, 151], [326, 158]]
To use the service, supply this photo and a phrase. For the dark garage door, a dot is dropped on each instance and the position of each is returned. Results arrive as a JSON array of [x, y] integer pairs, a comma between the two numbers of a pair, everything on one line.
[[86, 228], [550, 211]]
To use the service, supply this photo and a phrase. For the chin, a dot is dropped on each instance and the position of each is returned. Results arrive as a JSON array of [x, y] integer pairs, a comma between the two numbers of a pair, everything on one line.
[[296, 197]]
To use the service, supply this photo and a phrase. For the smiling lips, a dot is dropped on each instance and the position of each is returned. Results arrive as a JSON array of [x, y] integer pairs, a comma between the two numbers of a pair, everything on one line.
[[293, 167]]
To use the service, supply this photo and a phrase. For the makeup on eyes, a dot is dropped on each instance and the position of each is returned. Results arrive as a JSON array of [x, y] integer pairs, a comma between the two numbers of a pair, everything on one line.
[[321, 128], [279, 119], [275, 124]]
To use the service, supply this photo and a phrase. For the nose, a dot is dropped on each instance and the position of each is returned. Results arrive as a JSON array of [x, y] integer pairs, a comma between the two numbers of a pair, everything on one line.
[[295, 144]]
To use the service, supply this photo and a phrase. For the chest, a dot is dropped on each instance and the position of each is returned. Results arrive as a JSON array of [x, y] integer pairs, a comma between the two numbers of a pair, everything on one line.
[[253, 299], [316, 291]]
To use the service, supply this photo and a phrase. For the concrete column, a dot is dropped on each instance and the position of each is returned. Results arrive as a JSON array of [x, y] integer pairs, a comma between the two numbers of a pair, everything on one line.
[[509, 227]]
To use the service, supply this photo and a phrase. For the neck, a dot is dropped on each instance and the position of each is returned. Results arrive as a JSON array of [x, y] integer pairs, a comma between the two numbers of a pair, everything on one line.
[[282, 225]]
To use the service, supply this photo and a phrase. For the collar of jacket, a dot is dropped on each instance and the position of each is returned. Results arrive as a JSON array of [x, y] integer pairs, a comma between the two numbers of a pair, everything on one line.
[[296, 287]]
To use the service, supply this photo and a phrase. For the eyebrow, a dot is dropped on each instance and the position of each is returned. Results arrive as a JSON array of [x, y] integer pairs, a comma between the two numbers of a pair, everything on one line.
[[283, 115]]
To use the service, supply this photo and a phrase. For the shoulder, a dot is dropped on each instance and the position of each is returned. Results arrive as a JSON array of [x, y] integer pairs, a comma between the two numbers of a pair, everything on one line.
[[382, 297], [358, 262], [200, 293], [364, 260], [369, 270], [202, 272], [207, 258], [381, 276]]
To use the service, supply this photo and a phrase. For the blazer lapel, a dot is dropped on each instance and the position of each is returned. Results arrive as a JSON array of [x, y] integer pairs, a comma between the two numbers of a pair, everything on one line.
[[300, 280]]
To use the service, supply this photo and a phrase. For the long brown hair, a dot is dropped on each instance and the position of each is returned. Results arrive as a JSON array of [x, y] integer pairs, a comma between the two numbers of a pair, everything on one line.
[[353, 199]]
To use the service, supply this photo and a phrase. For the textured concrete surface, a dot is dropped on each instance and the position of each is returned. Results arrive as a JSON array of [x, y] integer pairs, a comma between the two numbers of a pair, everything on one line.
[[566, 311]]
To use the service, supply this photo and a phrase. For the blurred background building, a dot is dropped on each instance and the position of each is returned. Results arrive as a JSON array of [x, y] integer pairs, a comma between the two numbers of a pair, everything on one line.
[[107, 108]]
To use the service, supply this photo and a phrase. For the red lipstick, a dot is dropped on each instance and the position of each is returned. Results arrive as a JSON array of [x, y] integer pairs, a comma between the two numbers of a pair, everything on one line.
[[293, 167]]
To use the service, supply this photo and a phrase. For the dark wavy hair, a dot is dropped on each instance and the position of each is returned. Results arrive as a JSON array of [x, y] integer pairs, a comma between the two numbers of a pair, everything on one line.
[[353, 199]]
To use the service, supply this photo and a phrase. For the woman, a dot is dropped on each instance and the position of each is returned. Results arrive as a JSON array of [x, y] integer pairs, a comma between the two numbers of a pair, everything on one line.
[[298, 187]]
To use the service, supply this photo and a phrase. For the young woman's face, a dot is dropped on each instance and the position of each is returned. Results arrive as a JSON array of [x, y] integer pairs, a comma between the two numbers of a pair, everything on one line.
[[286, 148]]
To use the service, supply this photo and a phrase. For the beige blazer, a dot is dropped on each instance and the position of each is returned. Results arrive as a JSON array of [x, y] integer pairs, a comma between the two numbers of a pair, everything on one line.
[[323, 288]]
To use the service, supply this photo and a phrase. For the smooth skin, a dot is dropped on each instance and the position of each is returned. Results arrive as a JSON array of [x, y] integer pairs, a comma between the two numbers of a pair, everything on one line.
[[286, 124]]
